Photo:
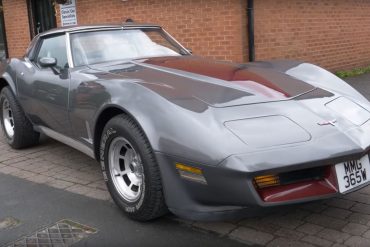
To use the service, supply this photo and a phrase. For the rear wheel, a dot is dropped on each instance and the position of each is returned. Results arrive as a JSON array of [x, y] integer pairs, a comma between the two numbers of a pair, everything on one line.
[[16, 127], [130, 169]]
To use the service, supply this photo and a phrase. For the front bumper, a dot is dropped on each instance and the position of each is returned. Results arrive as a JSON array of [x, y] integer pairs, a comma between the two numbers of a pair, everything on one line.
[[230, 193]]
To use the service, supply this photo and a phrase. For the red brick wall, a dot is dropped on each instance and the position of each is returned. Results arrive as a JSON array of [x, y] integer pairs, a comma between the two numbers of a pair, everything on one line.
[[212, 28], [332, 33], [16, 26]]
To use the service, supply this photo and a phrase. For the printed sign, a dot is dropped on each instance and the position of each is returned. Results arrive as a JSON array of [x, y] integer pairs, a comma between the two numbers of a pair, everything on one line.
[[68, 13]]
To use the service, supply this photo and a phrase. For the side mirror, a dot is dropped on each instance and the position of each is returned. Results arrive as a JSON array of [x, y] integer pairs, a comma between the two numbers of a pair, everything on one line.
[[189, 50], [48, 62]]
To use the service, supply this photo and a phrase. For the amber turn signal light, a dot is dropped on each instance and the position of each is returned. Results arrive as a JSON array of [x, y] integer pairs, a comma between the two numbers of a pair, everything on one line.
[[266, 181], [190, 169], [191, 173]]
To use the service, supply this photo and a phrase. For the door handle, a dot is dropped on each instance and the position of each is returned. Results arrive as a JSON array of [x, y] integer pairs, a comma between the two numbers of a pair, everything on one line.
[[22, 73]]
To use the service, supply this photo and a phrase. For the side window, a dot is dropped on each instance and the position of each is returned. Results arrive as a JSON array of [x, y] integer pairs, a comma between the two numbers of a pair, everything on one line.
[[54, 47]]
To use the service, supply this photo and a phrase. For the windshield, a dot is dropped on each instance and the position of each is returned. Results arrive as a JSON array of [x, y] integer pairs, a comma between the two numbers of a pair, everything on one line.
[[104, 46]]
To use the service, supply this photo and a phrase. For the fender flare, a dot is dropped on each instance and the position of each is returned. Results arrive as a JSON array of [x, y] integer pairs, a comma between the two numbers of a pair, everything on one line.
[[8, 79], [95, 123]]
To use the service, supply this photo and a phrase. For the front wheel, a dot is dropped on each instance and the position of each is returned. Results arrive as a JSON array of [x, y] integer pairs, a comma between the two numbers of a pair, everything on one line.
[[130, 169], [16, 127]]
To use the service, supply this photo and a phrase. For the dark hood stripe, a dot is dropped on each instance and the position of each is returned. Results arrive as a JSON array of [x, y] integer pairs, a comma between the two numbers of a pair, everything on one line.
[[273, 80]]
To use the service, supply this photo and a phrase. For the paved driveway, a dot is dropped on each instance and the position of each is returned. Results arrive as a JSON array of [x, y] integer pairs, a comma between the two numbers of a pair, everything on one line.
[[342, 221], [31, 212]]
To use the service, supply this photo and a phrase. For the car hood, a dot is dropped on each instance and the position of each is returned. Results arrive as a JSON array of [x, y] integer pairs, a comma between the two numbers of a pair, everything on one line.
[[218, 84]]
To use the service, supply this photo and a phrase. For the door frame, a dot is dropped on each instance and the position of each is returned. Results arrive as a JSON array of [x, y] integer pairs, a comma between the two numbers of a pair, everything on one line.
[[32, 17]]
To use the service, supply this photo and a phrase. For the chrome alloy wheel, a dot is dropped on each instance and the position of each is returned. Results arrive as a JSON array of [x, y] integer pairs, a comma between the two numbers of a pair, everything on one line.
[[8, 119], [126, 169]]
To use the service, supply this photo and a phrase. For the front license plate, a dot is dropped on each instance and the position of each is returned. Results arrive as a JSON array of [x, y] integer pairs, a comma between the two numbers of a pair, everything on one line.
[[353, 173]]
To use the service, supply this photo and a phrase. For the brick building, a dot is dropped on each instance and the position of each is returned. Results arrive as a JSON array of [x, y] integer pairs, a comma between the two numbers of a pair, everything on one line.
[[332, 33]]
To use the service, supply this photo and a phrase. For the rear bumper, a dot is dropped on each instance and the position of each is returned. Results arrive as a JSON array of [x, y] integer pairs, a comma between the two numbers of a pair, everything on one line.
[[228, 193]]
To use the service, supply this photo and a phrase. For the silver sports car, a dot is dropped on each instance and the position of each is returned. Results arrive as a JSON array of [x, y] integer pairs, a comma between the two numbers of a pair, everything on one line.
[[173, 131]]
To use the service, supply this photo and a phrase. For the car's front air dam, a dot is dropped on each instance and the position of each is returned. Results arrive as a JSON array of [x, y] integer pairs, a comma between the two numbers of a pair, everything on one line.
[[227, 193]]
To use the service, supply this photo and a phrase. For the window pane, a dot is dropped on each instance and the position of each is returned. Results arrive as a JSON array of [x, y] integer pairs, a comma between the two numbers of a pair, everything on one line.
[[103, 46], [55, 47]]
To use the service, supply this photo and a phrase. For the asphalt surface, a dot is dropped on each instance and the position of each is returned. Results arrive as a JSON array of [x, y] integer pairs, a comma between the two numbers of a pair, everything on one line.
[[37, 206]]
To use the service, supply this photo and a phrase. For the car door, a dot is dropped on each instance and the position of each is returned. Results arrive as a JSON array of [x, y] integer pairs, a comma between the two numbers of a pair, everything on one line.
[[43, 91]]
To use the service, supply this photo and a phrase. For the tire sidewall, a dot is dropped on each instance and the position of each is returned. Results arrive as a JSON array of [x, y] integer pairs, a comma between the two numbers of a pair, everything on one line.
[[5, 95], [112, 131]]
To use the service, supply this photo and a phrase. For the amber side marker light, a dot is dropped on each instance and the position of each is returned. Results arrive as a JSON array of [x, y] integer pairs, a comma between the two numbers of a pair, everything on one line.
[[191, 173], [266, 181]]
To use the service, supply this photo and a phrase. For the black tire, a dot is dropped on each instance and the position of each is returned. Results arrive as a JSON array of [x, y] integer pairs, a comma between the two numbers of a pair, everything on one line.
[[151, 203], [24, 135]]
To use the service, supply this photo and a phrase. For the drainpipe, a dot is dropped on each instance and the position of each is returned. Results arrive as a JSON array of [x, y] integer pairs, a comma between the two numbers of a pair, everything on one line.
[[250, 16]]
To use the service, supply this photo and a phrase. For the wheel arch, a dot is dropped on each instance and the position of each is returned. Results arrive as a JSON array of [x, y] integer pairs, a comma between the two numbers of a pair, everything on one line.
[[6, 80], [104, 116], [3, 83]]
